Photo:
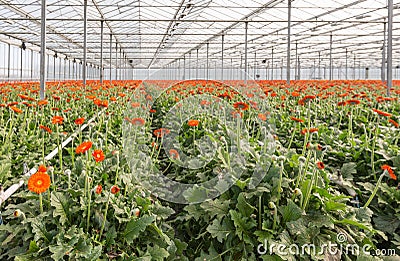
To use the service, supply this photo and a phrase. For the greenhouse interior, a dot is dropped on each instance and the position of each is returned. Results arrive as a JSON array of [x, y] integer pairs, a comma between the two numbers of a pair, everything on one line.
[[199, 130]]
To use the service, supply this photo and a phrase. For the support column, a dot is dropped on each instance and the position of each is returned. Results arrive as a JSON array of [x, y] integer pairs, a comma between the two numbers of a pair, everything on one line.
[[272, 74], [190, 59], [207, 74], [222, 59], [43, 51], [288, 42], [255, 66], [111, 58], [184, 66], [197, 64], [116, 61], [101, 52], [330, 59], [295, 68], [20, 76], [84, 42], [383, 68], [9, 62], [246, 24], [354, 68], [65, 68], [298, 68], [390, 46], [346, 64], [31, 64], [319, 66]]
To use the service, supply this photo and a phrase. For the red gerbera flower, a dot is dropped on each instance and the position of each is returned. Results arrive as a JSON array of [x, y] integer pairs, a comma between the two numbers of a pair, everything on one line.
[[241, 106], [296, 119], [396, 124], [99, 188], [386, 114], [45, 128], [390, 171], [85, 146], [353, 102], [320, 165], [98, 155], [138, 121], [262, 116], [115, 189], [57, 120], [173, 154], [161, 132], [193, 123], [79, 121]]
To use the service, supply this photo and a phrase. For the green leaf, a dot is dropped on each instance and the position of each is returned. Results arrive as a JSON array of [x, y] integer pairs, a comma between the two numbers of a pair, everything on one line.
[[33, 247], [211, 256], [348, 169], [243, 225], [62, 206], [290, 212], [334, 206], [244, 208], [59, 251], [219, 231], [387, 224], [216, 207], [157, 253], [135, 226]]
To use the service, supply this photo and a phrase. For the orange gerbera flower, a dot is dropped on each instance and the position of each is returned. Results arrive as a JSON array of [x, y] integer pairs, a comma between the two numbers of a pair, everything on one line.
[[241, 106], [57, 120], [386, 114], [262, 116], [135, 105], [320, 165], [396, 124], [115, 189], [99, 188], [312, 130], [138, 121], [296, 119], [79, 121], [98, 155], [193, 123], [39, 182], [16, 109], [390, 171], [42, 168], [161, 132], [45, 128], [353, 102], [85, 146], [173, 154]]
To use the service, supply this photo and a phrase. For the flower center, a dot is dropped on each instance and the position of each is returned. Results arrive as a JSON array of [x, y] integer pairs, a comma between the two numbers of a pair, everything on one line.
[[39, 182]]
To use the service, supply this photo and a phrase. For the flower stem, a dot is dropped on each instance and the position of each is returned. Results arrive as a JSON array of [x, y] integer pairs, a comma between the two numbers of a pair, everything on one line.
[[105, 216], [41, 203], [375, 190]]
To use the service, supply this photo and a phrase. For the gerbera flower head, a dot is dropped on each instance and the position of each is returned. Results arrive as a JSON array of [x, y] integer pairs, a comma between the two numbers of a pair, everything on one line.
[[382, 113], [320, 165], [173, 153], [39, 182], [82, 148], [99, 189], [241, 106], [396, 124], [57, 120], [79, 121], [159, 133], [262, 116], [16, 109], [115, 189], [296, 119], [98, 155], [193, 123], [45, 128], [138, 121], [389, 171]]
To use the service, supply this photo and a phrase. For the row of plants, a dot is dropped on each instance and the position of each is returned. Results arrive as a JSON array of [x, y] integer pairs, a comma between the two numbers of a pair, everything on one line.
[[302, 164]]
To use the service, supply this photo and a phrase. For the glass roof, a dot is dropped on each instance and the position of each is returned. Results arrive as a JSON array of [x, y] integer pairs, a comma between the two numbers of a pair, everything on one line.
[[155, 33]]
